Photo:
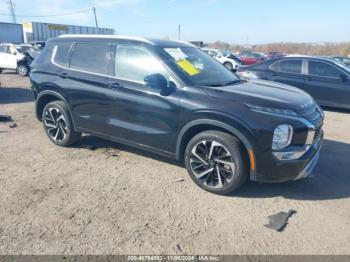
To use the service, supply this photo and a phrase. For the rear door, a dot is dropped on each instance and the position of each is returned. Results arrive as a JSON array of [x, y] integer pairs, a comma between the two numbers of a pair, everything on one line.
[[84, 77], [288, 71], [328, 84]]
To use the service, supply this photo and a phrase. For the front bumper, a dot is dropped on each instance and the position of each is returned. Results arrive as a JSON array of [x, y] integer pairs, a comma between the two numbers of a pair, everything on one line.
[[289, 170]]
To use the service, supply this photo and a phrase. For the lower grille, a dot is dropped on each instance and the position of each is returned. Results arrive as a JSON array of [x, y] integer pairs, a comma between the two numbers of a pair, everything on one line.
[[318, 131]]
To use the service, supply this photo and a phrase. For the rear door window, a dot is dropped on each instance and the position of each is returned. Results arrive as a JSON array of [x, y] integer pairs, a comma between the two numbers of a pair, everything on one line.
[[322, 69], [91, 58], [62, 52], [288, 66]]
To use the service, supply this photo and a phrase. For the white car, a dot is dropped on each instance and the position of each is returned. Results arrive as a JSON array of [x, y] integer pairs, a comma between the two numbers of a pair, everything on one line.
[[230, 61], [11, 58]]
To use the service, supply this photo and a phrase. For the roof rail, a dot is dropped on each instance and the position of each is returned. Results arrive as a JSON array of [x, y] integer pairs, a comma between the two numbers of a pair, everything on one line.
[[136, 38]]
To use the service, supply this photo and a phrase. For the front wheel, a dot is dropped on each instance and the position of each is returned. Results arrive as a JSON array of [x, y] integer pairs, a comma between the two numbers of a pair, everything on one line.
[[22, 70], [217, 162]]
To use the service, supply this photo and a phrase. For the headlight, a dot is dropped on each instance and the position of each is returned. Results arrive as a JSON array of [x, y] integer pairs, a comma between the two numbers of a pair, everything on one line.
[[282, 137], [273, 110]]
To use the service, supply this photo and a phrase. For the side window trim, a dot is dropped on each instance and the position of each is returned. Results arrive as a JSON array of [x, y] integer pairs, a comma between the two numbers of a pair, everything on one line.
[[326, 63]]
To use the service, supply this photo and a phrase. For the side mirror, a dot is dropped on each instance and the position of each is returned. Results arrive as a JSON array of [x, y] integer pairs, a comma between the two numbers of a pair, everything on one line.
[[344, 78], [156, 81]]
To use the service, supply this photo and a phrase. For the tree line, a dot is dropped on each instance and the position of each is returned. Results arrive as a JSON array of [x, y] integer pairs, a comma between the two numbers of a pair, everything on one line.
[[323, 49]]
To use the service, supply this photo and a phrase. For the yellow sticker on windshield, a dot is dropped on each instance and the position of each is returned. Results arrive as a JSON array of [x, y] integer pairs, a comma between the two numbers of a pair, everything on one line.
[[188, 67]]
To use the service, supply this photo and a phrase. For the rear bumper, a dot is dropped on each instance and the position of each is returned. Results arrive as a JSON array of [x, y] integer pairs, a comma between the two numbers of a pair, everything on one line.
[[283, 171]]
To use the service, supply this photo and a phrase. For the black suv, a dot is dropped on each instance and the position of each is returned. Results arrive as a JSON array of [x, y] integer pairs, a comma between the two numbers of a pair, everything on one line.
[[173, 99]]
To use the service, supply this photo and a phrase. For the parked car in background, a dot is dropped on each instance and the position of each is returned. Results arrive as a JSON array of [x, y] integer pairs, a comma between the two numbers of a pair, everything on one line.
[[27, 50], [343, 59], [272, 55], [171, 98], [250, 58], [14, 59], [325, 79], [230, 61], [39, 45]]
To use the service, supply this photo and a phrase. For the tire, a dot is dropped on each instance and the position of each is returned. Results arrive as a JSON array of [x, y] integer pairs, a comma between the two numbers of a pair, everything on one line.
[[229, 66], [228, 158], [22, 70], [58, 125], [1, 70]]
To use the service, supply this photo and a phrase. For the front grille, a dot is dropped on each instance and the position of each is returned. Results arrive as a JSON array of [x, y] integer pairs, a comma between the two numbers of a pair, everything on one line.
[[313, 115]]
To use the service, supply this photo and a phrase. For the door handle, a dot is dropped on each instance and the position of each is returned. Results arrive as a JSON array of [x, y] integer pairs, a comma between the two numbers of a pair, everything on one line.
[[114, 85], [64, 75]]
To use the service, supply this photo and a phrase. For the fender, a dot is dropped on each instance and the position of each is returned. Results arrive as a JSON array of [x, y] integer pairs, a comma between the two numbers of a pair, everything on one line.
[[242, 137], [60, 97]]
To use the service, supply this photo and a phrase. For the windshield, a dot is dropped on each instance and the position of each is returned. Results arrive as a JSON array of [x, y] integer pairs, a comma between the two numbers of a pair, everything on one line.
[[342, 65], [198, 67]]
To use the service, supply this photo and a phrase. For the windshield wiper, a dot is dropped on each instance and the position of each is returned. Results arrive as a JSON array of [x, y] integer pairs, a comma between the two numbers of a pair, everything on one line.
[[225, 84]]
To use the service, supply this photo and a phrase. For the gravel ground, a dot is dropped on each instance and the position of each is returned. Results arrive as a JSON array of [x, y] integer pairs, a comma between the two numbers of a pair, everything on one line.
[[104, 198]]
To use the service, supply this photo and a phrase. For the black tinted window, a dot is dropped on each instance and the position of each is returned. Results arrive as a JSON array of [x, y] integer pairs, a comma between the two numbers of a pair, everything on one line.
[[91, 57], [62, 51], [322, 69], [288, 66]]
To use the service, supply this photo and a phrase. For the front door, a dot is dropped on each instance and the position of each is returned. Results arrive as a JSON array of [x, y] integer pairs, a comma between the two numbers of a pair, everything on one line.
[[327, 84], [140, 113]]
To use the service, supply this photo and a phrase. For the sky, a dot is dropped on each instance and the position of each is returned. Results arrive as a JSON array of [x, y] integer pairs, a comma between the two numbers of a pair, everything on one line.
[[233, 21]]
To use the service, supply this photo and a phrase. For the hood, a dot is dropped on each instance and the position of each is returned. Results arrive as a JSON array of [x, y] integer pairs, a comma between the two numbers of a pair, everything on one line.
[[263, 93]]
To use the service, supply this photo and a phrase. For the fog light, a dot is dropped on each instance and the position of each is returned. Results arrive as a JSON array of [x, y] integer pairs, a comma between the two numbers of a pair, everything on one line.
[[282, 137]]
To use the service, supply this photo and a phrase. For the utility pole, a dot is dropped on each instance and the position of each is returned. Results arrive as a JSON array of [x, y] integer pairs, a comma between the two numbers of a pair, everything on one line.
[[179, 32], [12, 11], [94, 11]]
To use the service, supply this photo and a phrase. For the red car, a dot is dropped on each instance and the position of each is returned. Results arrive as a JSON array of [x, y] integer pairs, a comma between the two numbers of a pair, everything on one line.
[[251, 58], [272, 55]]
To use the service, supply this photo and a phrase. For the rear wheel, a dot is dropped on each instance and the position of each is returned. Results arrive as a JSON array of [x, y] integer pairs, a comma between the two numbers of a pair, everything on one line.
[[22, 70], [216, 161], [57, 124]]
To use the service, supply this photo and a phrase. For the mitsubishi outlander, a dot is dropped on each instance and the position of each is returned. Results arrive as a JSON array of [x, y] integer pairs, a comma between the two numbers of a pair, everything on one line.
[[171, 98]]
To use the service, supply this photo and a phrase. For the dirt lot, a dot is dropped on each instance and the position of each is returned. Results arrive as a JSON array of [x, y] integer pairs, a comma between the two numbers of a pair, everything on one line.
[[117, 200]]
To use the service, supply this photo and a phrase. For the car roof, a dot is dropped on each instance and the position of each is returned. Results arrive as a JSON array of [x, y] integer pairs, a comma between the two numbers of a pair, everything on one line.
[[154, 42], [322, 58]]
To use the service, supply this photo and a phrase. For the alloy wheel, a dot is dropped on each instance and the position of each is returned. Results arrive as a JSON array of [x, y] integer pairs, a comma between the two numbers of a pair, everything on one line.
[[55, 124], [22, 70], [212, 164]]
